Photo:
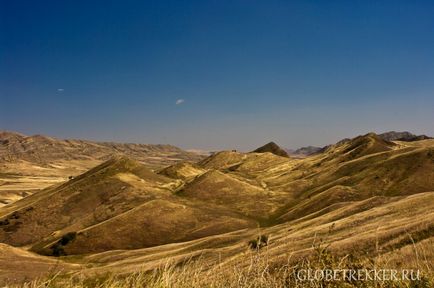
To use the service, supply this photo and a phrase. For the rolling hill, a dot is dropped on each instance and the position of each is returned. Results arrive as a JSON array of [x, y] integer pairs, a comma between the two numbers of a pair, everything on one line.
[[31, 163], [119, 204], [362, 194]]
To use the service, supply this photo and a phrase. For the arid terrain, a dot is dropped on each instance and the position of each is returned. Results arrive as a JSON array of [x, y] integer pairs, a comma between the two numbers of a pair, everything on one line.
[[30, 163], [90, 209]]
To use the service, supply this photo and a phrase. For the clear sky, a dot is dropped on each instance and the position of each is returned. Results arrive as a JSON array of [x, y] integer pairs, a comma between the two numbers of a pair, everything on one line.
[[216, 74]]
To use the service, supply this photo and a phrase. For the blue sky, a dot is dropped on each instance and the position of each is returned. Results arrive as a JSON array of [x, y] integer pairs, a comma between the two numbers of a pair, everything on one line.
[[247, 72]]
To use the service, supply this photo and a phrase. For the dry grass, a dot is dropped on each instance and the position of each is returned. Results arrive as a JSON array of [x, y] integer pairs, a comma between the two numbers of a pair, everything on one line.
[[376, 199], [260, 271]]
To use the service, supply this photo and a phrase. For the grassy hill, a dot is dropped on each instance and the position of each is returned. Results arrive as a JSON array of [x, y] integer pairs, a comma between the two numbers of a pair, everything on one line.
[[31, 163], [362, 194], [120, 204]]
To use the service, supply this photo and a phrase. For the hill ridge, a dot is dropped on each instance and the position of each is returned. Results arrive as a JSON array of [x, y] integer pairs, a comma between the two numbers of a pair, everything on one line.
[[272, 147], [43, 149]]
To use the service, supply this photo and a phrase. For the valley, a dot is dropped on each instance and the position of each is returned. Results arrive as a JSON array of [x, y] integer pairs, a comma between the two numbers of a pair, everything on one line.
[[364, 196]]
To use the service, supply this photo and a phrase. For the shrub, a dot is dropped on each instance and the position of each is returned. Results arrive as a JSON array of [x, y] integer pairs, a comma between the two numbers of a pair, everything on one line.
[[57, 249], [68, 237], [259, 242]]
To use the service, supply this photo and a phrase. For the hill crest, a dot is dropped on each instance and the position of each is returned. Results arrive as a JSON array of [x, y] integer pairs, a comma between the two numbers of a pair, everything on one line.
[[272, 148], [42, 150]]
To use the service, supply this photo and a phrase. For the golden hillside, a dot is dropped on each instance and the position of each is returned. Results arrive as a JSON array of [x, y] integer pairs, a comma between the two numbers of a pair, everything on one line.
[[363, 194], [31, 163]]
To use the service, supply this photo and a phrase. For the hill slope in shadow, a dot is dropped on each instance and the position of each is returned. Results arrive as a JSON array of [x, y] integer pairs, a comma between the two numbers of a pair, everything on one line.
[[31, 163], [363, 193]]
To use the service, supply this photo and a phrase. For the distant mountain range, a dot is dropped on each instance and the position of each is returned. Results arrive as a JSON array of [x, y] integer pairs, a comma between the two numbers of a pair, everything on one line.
[[304, 151], [402, 136], [42, 150], [387, 136]]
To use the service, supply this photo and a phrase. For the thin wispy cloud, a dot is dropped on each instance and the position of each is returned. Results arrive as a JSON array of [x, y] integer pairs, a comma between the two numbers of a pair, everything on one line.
[[179, 101], [60, 90]]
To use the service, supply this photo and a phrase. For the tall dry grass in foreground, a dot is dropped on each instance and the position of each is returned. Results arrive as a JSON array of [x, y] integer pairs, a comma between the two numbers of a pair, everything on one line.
[[258, 271]]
